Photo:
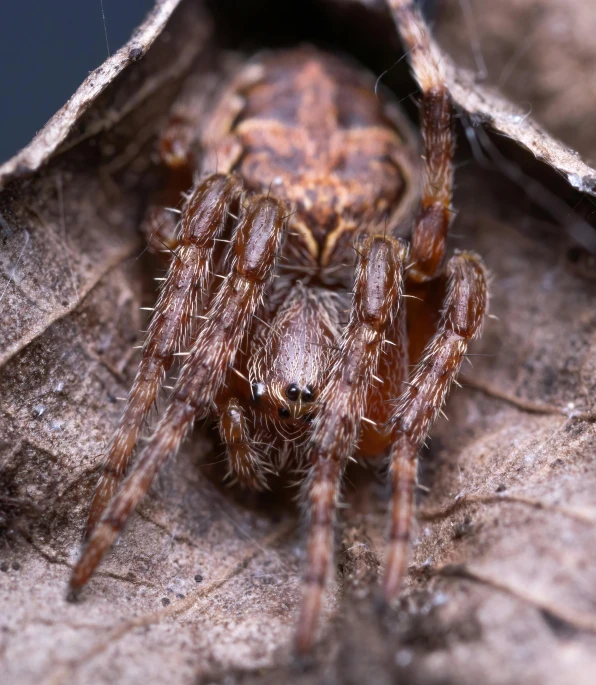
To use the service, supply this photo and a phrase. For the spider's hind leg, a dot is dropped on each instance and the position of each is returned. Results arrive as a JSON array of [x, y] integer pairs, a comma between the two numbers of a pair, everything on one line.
[[178, 162], [429, 237], [421, 402]]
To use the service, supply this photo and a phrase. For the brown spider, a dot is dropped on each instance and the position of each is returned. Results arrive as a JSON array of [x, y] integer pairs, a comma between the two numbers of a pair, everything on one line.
[[299, 138]]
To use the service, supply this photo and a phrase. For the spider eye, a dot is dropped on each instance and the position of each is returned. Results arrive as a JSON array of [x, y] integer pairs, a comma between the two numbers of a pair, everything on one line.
[[308, 394], [258, 390], [292, 392], [284, 412]]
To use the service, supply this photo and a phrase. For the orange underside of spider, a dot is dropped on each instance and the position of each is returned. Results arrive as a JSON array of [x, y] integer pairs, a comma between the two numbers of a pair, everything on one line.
[[286, 293]]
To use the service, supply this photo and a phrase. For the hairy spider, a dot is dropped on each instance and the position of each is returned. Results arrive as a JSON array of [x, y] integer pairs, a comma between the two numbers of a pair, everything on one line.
[[312, 172]]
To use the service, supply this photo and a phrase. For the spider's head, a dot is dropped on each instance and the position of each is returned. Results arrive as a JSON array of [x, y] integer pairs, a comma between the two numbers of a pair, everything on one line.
[[288, 401], [288, 368]]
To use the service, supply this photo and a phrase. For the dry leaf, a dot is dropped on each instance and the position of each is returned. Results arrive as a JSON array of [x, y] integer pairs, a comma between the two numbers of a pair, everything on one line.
[[204, 585]]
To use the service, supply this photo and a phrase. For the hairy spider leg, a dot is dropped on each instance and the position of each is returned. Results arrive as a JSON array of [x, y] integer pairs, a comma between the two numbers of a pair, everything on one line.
[[429, 237], [205, 214], [160, 223], [419, 405], [256, 244], [386, 384], [377, 298]]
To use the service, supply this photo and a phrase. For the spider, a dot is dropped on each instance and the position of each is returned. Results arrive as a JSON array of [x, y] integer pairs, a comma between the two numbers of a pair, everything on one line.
[[304, 181]]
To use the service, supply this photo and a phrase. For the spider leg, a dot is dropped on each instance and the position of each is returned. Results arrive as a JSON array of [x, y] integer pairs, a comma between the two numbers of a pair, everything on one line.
[[175, 149], [255, 246], [377, 292], [393, 369], [204, 216], [465, 304], [243, 459], [436, 113]]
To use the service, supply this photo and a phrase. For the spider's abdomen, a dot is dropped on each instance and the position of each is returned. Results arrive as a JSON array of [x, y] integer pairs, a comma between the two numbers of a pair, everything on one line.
[[310, 129]]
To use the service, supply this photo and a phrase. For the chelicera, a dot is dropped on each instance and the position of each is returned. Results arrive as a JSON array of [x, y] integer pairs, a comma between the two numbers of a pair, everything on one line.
[[286, 293]]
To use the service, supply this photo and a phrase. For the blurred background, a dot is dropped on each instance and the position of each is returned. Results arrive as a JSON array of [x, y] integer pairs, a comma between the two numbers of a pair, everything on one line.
[[47, 48]]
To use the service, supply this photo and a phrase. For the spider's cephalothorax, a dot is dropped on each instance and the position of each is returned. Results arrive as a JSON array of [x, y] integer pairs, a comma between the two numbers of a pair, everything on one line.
[[287, 291]]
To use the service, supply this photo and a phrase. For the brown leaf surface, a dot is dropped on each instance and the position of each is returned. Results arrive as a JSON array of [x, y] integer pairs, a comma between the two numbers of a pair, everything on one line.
[[204, 585]]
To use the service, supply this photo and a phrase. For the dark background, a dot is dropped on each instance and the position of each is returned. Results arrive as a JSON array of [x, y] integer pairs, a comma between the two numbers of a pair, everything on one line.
[[47, 49]]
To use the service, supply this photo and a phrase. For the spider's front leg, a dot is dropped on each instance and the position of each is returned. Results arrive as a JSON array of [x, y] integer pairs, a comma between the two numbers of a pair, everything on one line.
[[204, 216], [203, 219], [255, 246], [377, 294], [419, 405]]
